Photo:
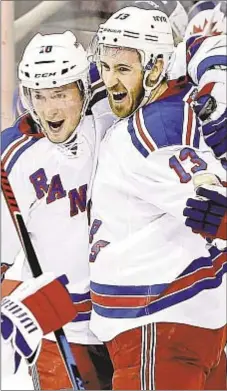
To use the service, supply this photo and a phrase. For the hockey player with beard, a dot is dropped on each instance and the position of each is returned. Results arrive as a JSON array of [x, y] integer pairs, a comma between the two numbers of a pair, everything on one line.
[[49, 156], [31, 311], [158, 294]]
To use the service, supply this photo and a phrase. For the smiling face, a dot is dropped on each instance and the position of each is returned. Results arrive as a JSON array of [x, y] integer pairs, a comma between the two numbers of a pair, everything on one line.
[[122, 73], [59, 110]]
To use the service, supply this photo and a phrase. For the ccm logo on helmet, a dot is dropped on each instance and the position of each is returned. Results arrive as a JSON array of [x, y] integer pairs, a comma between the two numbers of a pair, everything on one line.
[[160, 19], [45, 74]]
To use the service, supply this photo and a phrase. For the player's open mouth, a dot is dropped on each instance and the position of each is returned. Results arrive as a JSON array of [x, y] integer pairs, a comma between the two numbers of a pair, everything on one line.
[[119, 96], [55, 126]]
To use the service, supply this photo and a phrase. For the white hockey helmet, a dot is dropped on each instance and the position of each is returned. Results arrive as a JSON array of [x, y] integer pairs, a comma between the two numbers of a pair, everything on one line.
[[50, 61], [206, 17], [174, 9], [147, 30]]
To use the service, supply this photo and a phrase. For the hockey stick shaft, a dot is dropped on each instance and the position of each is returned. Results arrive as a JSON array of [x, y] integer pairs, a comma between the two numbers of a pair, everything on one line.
[[32, 259]]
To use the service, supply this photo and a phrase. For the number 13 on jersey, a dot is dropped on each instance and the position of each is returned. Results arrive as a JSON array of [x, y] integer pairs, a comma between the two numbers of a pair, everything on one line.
[[187, 153]]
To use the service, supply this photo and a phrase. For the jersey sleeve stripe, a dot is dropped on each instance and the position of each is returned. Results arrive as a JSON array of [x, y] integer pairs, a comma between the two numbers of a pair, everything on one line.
[[134, 137], [185, 125], [189, 125], [97, 85], [208, 62], [7, 148], [130, 302], [145, 135], [98, 90], [80, 297], [193, 44], [82, 302], [195, 134], [17, 151], [13, 148]]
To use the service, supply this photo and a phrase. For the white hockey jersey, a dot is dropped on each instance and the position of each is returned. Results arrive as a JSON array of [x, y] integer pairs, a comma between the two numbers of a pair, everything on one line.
[[146, 265], [51, 190], [198, 55]]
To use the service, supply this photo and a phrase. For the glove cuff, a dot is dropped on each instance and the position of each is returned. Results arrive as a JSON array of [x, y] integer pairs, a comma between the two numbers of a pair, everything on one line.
[[22, 319], [26, 334], [20, 315]]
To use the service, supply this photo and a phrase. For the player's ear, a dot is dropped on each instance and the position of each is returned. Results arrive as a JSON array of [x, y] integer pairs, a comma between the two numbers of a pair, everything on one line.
[[155, 72]]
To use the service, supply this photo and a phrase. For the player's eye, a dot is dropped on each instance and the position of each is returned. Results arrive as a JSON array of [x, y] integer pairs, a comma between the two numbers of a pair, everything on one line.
[[60, 95], [105, 66], [39, 97], [124, 69]]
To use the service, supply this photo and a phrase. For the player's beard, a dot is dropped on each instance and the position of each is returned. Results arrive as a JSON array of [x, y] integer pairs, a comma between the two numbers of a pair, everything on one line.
[[127, 106]]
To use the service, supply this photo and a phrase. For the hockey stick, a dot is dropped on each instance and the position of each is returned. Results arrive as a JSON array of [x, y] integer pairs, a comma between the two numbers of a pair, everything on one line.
[[32, 259]]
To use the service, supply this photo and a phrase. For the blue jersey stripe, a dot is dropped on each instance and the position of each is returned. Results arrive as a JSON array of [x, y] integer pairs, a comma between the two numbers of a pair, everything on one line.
[[15, 157], [191, 40], [139, 146], [209, 62], [8, 136], [128, 290], [203, 273], [202, 6], [163, 122], [132, 290], [94, 73], [196, 140], [197, 264], [194, 48], [150, 290], [14, 135], [81, 317], [78, 297], [164, 118], [164, 302]]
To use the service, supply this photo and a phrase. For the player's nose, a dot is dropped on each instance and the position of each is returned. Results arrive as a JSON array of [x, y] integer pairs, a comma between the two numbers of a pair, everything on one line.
[[110, 79], [50, 112]]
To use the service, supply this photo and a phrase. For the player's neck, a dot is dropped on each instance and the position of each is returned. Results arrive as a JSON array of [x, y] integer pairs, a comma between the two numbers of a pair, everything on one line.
[[158, 91]]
